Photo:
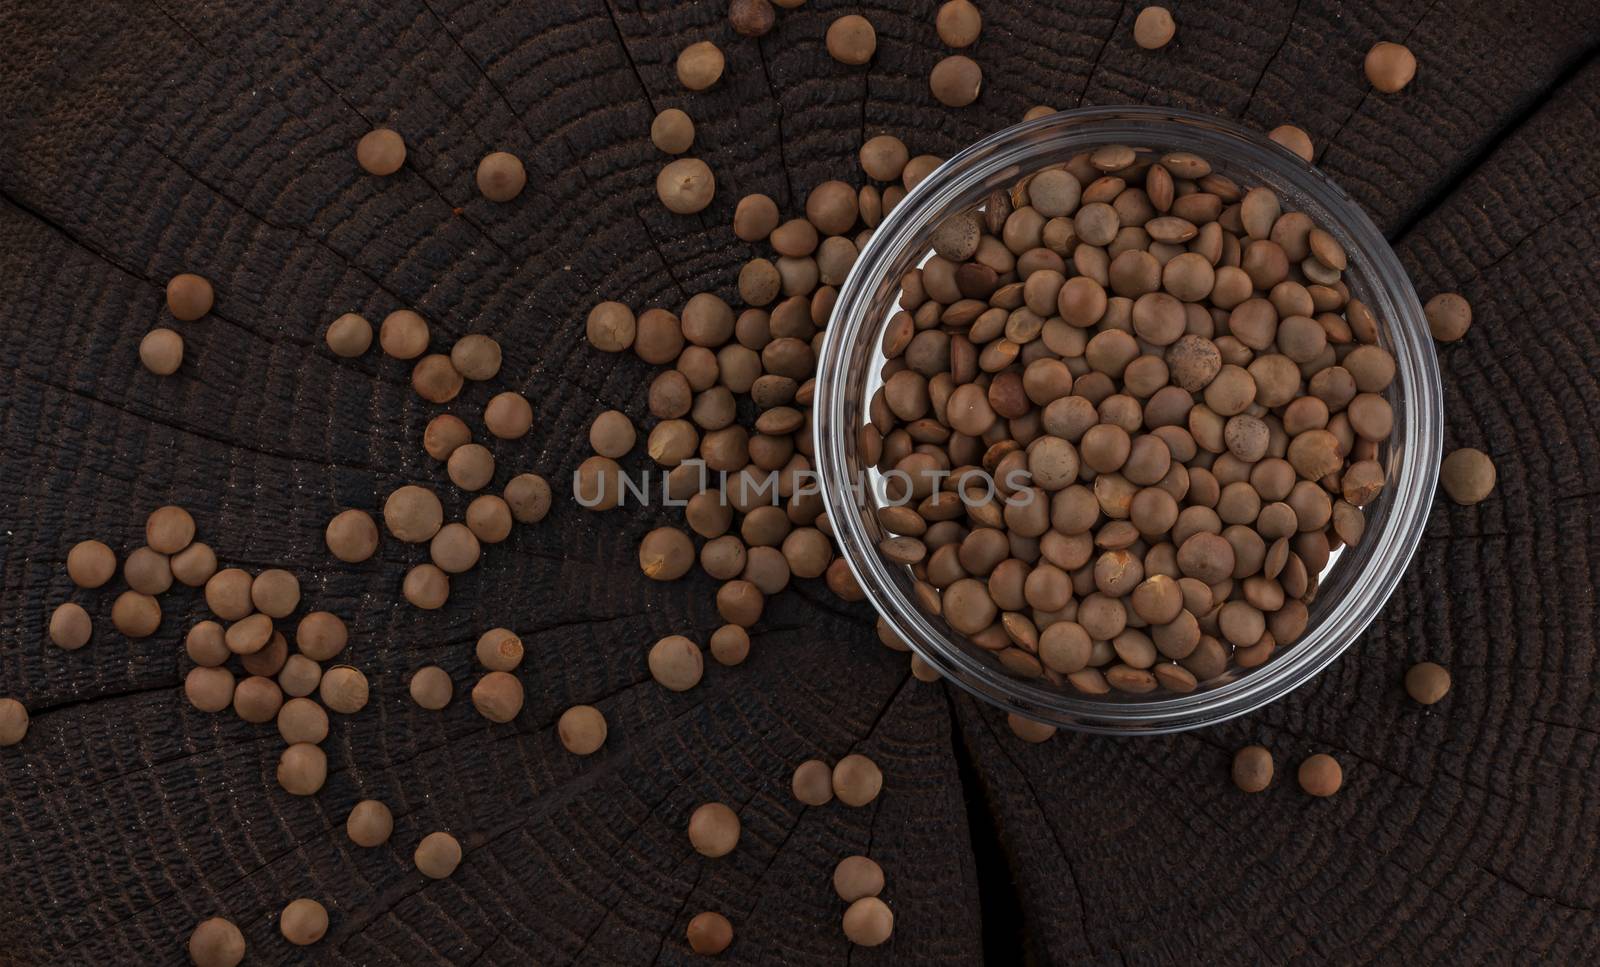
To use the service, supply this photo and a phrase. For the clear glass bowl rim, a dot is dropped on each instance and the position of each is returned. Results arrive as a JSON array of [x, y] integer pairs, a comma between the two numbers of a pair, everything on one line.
[[1414, 471]]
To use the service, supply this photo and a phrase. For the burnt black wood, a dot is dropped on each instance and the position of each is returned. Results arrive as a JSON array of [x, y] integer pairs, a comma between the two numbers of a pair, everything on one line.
[[143, 139]]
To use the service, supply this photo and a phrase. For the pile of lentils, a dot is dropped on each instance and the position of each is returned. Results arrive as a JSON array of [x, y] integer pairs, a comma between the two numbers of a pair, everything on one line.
[[1132, 409], [1174, 360]]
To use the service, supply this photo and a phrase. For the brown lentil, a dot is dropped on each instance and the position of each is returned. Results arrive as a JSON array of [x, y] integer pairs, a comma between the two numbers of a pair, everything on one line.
[[1449, 316], [958, 24], [403, 334], [381, 151], [136, 615], [70, 626], [507, 416], [498, 696], [431, 688], [675, 663], [582, 729], [147, 571], [501, 176], [209, 688], [1427, 682], [321, 635], [437, 856], [91, 564], [851, 40], [161, 351], [856, 780], [955, 81], [216, 943], [856, 877], [370, 823], [529, 497], [1320, 775], [303, 922], [1390, 67], [672, 131], [1252, 768], [813, 783], [194, 565], [1153, 29], [257, 699], [352, 536], [686, 186], [700, 65], [302, 720], [343, 689], [868, 922], [302, 769], [1467, 476], [499, 649], [714, 829], [350, 335], [709, 933], [189, 297]]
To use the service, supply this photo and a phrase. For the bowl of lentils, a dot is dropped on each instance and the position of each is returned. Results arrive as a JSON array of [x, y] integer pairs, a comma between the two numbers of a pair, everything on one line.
[[1127, 420]]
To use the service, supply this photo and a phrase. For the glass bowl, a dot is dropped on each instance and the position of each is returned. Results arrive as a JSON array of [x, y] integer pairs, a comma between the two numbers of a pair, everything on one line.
[[1357, 580]]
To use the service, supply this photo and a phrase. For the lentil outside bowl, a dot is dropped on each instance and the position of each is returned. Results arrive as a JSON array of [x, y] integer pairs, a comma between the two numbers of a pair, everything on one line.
[[1357, 581]]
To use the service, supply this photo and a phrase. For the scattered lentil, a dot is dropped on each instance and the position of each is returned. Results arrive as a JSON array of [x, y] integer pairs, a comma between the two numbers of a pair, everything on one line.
[[1252, 768], [857, 780], [1449, 316], [352, 536], [1427, 682], [194, 565], [70, 626], [751, 18], [136, 615], [851, 40], [209, 688], [13, 721], [1467, 476], [1390, 67], [91, 564], [403, 334], [437, 856], [169, 529], [370, 823], [686, 186], [161, 351], [498, 696], [672, 131], [147, 571], [381, 151], [321, 635], [499, 650], [501, 176], [302, 720], [302, 769], [216, 943], [257, 699], [529, 497], [868, 922], [709, 933], [343, 689], [350, 335], [508, 416], [1320, 775], [956, 80], [856, 877], [303, 922], [714, 829], [1153, 29], [675, 663], [700, 65], [958, 23], [189, 297], [582, 729]]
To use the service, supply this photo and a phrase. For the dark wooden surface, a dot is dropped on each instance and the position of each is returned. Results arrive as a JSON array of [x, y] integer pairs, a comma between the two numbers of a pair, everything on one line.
[[142, 139]]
